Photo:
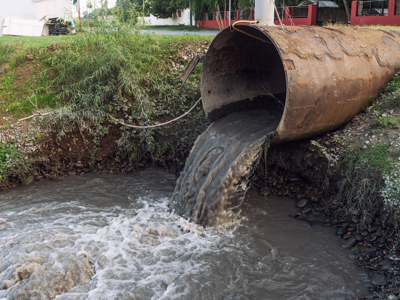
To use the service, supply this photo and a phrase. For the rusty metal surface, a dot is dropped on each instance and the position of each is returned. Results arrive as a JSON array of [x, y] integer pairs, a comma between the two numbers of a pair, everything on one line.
[[326, 74]]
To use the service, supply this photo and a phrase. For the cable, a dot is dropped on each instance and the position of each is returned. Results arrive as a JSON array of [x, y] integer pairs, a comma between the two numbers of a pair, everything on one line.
[[158, 125], [246, 33]]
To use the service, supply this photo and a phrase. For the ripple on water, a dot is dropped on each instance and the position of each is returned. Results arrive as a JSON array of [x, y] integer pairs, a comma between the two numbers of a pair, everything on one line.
[[113, 237]]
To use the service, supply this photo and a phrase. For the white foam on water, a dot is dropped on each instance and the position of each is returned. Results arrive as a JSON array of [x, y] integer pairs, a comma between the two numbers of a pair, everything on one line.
[[70, 240]]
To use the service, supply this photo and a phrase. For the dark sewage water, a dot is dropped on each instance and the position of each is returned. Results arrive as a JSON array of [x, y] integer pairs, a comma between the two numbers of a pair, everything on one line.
[[115, 237]]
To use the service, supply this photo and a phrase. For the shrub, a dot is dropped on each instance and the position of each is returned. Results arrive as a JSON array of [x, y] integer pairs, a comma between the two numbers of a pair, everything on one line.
[[391, 191], [386, 121], [362, 179], [7, 152], [13, 163]]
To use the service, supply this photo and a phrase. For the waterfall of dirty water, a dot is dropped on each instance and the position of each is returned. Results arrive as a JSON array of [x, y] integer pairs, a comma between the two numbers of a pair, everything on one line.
[[216, 174]]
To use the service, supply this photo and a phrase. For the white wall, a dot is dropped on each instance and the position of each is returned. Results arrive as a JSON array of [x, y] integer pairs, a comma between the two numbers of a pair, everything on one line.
[[184, 19], [34, 9]]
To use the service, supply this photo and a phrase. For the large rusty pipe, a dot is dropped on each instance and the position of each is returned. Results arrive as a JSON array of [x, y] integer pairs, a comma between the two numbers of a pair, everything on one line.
[[317, 78]]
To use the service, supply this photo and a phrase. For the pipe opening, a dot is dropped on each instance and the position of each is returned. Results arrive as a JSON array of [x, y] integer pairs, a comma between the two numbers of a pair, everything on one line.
[[241, 72]]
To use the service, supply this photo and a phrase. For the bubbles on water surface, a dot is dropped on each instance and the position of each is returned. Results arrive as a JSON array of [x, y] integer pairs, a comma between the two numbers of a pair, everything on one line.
[[114, 238]]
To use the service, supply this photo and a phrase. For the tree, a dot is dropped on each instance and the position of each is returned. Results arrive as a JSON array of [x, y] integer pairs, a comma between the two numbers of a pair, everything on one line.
[[127, 6], [165, 8], [199, 7]]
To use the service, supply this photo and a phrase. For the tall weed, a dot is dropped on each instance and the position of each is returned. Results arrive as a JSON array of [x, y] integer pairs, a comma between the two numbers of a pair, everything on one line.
[[362, 180]]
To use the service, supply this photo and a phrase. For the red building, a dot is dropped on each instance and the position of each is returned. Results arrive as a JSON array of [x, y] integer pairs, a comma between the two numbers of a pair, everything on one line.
[[298, 15], [386, 12], [375, 12], [291, 15]]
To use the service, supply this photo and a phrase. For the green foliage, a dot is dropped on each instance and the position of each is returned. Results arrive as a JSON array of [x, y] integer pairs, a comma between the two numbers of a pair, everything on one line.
[[391, 191], [6, 153], [180, 27], [10, 158], [393, 85], [390, 96], [18, 81], [115, 71], [128, 6], [362, 180], [118, 67], [165, 8], [389, 121]]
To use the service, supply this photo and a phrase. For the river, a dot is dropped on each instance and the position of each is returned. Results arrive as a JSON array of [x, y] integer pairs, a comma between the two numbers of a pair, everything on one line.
[[114, 237]]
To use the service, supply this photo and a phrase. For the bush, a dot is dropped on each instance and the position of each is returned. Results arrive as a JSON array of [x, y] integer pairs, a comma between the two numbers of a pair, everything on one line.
[[114, 73], [13, 164], [362, 173], [7, 154], [391, 191], [386, 121]]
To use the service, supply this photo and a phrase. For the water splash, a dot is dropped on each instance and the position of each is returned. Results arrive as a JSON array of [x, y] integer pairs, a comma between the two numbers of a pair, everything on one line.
[[114, 237], [216, 174]]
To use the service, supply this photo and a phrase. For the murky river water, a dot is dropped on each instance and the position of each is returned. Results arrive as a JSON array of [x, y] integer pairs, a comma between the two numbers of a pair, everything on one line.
[[113, 237], [216, 174]]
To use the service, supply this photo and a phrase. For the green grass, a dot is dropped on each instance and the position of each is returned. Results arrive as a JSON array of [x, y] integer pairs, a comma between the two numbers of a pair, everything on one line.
[[21, 78], [362, 180], [111, 72], [179, 28], [8, 153], [393, 85], [34, 42], [74, 58], [125, 75]]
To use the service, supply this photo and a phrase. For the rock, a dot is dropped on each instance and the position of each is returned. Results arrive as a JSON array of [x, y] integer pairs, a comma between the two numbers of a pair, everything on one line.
[[294, 179], [71, 173], [394, 257], [303, 202], [379, 232], [359, 237], [386, 264], [364, 233], [341, 231], [378, 279], [29, 57], [346, 236], [79, 165], [392, 297], [349, 243], [333, 221]]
